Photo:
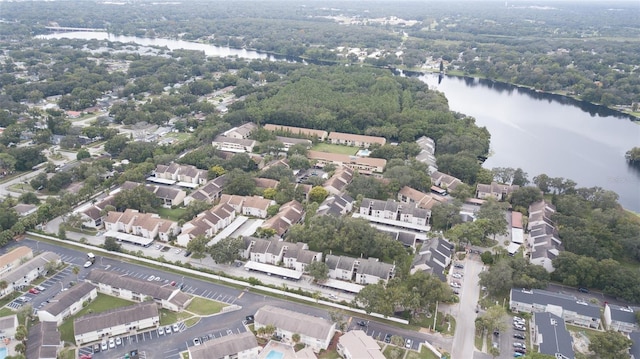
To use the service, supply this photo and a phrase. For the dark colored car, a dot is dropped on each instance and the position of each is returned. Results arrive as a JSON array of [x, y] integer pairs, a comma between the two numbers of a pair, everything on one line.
[[187, 253], [519, 350], [457, 265], [387, 338], [583, 290], [519, 336], [496, 332], [362, 323], [249, 319]]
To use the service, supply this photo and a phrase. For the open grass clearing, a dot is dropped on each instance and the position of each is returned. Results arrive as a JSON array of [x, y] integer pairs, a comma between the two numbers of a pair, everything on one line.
[[394, 352], [202, 306], [173, 214], [424, 353], [168, 317], [331, 148], [191, 321], [102, 303]]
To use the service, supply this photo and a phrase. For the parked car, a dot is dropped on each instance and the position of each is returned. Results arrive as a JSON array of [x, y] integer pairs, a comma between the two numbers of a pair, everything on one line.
[[167, 329], [387, 338], [362, 323], [249, 319], [175, 328], [496, 332], [408, 343], [519, 336], [519, 328], [40, 288], [34, 291], [187, 253], [457, 275], [520, 350], [583, 290], [88, 264], [519, 345], [104, 346], [161, 331], [517, 355], [96, 348], [118, 341], [196, 341], [112, 343], [458, 265], [178, 250]]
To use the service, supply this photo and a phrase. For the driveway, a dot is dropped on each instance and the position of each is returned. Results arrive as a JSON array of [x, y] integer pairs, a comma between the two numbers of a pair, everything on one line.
[[465, 311]]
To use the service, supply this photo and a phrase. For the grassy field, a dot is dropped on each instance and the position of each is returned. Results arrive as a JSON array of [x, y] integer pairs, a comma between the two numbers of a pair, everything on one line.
[[393, 352], [328, 147], [168, 317], [173, 214], [423, 354], [203, 306], [101, 304], [329, 354]]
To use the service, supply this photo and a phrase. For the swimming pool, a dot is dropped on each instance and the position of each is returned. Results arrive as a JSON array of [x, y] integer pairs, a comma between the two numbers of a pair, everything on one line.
[[274, 354], [3, 353]]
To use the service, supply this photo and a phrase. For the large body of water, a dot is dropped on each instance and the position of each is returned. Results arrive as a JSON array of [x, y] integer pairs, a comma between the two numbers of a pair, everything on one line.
[[550, 134], [539, 133]]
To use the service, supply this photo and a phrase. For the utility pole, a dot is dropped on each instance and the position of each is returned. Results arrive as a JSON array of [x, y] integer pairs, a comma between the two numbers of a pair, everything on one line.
[[435, 317]]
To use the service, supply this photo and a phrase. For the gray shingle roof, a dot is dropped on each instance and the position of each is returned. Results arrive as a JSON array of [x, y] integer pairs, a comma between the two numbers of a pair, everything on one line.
[[555, 337], [543, 297], [43, 340], [294, 322], [222, 347], [623, 314], [65, 299], [116, 280], [39, 261], [372, 266], [635, 347], [114, 317]]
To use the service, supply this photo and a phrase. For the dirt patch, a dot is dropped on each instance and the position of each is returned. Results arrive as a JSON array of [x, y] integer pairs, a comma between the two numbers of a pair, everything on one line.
[[580, 343]]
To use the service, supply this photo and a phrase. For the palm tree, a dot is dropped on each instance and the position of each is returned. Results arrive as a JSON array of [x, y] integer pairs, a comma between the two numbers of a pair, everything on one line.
[[21, 333], [3, 286], [295, 337], [76, 270], [20, 348]]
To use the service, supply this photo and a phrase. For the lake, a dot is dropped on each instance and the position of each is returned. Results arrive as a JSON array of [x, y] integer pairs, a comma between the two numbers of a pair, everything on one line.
[[555, 135], [540, 133]]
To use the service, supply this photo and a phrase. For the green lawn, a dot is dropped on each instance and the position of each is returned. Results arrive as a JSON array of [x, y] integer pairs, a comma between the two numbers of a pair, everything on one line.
[[393, 352], [168, 317], [442, 326], [586, 331], [101, 304], [423, 354], [203, 306], [173, 214], [328, 147], [191, 321], [329, 354]]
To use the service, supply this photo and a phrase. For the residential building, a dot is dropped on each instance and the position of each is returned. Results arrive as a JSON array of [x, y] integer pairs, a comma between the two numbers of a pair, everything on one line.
[[620, 319], [551, 336], [254, 206], [336, 205], [517, 232], [236, 145], [407, 239], [372, 271], [289, 214], [241, 132], [444, 181], [24, 210], [356, 344], [544, 240], [427, 153], [119, 321], [434, 256], [341, 178], [364, 165], [289, 142], [233, 346], [420, 199], [11, 260], [167, 195], [569, 308], [28, 271], [137, 290], [297, 256], [314, 332], [145, 225], [635, 347], [207, 223], [495, 190], [93, 216], [8, 326], [209, 193], [67, 303], [43, 341], [348, 139], [362, 271], [297, 131], [181, 173], [285, 350], [395, 214], [264, 183]]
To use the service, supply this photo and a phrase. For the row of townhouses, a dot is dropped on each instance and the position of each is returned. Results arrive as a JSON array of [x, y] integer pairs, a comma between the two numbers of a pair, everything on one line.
[[544, 240], [22, 268], [359, 270], [296, 256]]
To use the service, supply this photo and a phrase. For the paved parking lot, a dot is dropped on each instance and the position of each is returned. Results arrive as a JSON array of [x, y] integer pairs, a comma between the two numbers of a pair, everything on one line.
[[379, 332]]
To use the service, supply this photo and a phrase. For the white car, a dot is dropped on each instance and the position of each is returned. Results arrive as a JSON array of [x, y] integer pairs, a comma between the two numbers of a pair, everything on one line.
[[104, 346], [333, 296], [161, 331], [457, 275], [118, 341], [112, 343], [167, 329], [88, 264], [408, 343], [178, 250], [175, 328]]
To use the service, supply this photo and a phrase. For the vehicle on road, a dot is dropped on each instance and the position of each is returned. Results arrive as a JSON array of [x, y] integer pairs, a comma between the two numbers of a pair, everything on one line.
[[408, 343], [583, 290], [496, 332], [196, 341]]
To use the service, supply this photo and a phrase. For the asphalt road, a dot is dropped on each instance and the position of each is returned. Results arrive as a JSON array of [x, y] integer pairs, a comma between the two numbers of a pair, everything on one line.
[[168, 346], [463, 342]]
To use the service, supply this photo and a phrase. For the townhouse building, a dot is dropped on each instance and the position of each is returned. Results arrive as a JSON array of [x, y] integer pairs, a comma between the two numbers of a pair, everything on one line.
[[309, 133], [289, 214], [420, 199], [349, 139], [341, 178], [209, 192], [364, 165], [207, 223], [43, 341], [115, 322], [620, 319], [362, 271], [495, 190], [296, 256], [187, 174], [336, 205], [551, 336], [27, 272], [356, 344], [544, 240], [427, 153], [145, 225], [444, 181], [67, 303], [137, 290], [395, 214], [241, 132], [434, 256], [11, 260], [254, 206], [569, 308], [289, 142], [234, 346], [235, 145], [314, 332]]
